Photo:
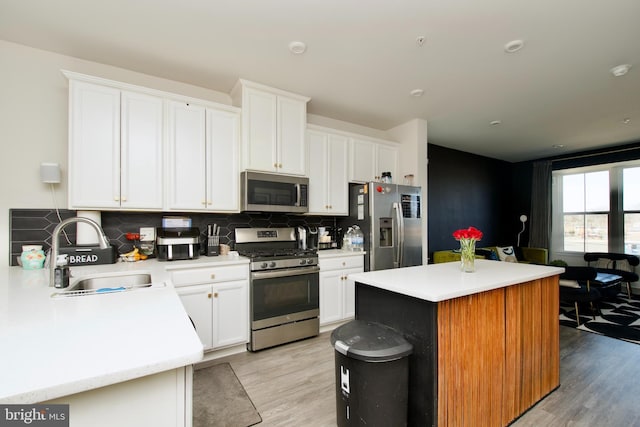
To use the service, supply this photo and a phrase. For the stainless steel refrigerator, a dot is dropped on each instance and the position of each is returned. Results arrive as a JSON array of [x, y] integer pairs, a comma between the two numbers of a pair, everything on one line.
[[390, 217]]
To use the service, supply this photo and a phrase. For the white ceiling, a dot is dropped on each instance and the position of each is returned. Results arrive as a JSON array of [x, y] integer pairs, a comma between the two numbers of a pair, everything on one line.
[[362, 60]]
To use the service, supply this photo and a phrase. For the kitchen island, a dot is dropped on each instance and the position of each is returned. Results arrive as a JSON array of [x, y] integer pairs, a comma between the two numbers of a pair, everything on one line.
[[486, 344]]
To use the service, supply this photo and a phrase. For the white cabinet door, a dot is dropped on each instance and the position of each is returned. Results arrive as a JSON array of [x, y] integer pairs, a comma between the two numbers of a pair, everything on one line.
[[141, 177], [328, 173], [292, 119], [197, 301], [94, 146], [230, 313], [362, 161], [318, 169], [349, 294], [223, 175], [331, 295], [187, 163], [260, 137], [338, 175], [387, 161]]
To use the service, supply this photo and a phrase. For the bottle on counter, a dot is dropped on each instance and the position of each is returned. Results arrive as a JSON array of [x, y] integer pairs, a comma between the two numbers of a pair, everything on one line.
[[357, 239], [346, 239]]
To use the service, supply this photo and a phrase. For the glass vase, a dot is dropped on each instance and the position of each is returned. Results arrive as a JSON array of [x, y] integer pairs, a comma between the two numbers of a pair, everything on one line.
[[467, 255]]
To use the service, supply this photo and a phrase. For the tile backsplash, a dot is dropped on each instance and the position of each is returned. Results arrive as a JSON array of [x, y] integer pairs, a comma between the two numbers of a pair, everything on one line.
[[34, 226]]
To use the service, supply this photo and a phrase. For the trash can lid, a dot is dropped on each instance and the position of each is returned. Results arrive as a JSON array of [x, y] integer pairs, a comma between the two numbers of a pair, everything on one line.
[[370, 342]]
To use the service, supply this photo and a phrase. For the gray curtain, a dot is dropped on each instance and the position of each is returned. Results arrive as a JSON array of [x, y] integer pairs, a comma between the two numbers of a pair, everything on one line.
[[540, 232]]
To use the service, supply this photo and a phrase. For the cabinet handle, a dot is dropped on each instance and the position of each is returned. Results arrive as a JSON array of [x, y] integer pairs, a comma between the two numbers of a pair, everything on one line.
[[215, 295], [280, 165], [124, 199], [209, 295], [344, 263], [275, 165], [204, 202], [330, 207], [213, 276], [116, 199]]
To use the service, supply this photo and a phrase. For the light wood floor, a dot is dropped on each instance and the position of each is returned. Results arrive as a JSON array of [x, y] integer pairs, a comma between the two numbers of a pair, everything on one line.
[[293, 385]]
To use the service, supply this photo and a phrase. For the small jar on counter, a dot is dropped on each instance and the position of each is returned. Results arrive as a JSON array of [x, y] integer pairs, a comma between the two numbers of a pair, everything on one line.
[[32, 257]]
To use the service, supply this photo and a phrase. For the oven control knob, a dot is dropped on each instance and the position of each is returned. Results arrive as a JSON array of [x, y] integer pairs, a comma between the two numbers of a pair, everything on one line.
[[309, 261], [272, 264], [263, 265], [303, 261]]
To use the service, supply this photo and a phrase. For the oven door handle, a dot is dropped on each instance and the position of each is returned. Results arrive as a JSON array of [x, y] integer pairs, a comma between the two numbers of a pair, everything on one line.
[[284, 273]]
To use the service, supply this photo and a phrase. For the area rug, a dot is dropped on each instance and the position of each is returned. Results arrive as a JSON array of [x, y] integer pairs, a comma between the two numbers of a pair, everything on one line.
[[619, 318], [220, 400]]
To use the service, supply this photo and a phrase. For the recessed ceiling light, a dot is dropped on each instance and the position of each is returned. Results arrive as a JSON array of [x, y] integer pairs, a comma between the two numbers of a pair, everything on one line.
[[513, 46], [417, 92], [557, 146], [297, 48], [626, 120], [620, 70], [495, 122]]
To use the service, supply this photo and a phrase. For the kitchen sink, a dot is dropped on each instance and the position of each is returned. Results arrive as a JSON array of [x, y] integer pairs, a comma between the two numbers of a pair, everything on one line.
[[103, 284]]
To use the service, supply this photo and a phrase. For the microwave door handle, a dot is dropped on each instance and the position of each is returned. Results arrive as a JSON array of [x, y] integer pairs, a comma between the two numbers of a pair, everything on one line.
[[298, 194]]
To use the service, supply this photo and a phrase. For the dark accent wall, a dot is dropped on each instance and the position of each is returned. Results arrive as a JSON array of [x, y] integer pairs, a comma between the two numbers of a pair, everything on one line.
[[469, 190], [34, 226]]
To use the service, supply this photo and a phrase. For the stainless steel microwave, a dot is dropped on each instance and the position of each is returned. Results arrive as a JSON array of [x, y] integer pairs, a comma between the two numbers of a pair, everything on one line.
[[266, 192]]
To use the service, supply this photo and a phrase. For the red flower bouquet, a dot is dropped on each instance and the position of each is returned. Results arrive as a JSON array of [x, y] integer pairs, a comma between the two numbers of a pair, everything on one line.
[[467, 238], [468, 233]]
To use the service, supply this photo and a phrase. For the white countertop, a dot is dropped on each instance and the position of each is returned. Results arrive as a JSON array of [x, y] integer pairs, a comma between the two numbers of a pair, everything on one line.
[[53, 347], [440, 282]]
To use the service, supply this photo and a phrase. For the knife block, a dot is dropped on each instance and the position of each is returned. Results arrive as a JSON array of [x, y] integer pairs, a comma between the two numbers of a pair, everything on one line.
[[213, 245]]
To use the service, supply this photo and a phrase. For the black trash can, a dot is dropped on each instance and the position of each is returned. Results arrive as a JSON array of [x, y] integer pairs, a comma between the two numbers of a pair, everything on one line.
[[372, 374]]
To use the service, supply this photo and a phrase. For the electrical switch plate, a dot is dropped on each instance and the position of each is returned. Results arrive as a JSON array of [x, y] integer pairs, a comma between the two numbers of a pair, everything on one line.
[[147, 233]]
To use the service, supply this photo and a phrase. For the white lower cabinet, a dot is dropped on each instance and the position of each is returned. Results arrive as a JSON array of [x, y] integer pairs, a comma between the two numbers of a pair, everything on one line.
[[219, 310], [337, 292], [164, 400]]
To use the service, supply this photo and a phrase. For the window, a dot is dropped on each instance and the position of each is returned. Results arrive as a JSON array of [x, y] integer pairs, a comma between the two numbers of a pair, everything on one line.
[[631, 208], [597, 209]]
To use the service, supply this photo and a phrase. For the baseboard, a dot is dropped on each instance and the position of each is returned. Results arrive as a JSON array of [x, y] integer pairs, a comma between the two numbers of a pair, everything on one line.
[[223, 352]]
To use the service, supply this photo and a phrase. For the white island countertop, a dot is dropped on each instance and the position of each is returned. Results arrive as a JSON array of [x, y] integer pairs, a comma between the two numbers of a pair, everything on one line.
[[54, 347], [441, 282]]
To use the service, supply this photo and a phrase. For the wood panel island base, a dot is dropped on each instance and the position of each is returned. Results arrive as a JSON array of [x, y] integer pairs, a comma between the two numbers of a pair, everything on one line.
[[486, 344]]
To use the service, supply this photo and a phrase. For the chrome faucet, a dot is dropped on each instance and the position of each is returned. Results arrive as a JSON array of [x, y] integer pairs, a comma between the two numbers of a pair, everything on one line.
[[103, 241]]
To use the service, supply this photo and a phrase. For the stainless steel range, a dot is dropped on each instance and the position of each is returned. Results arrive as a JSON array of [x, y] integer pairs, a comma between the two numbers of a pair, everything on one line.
[[284, 286]]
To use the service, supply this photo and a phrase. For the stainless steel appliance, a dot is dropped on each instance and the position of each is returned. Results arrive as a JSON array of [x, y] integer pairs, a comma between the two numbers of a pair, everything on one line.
[[266, 192], [177, 243], [283, 288], [390, 216]]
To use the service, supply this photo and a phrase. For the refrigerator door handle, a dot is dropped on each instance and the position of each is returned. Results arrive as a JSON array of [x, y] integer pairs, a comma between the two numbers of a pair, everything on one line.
[[399, 234]]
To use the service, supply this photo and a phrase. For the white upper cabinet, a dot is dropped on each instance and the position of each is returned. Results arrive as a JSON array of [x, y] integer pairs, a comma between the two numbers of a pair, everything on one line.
[[328, 172], [273, 128], [186, 160], [203, 158], [115, 148], [223, 162], [370, 158]]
